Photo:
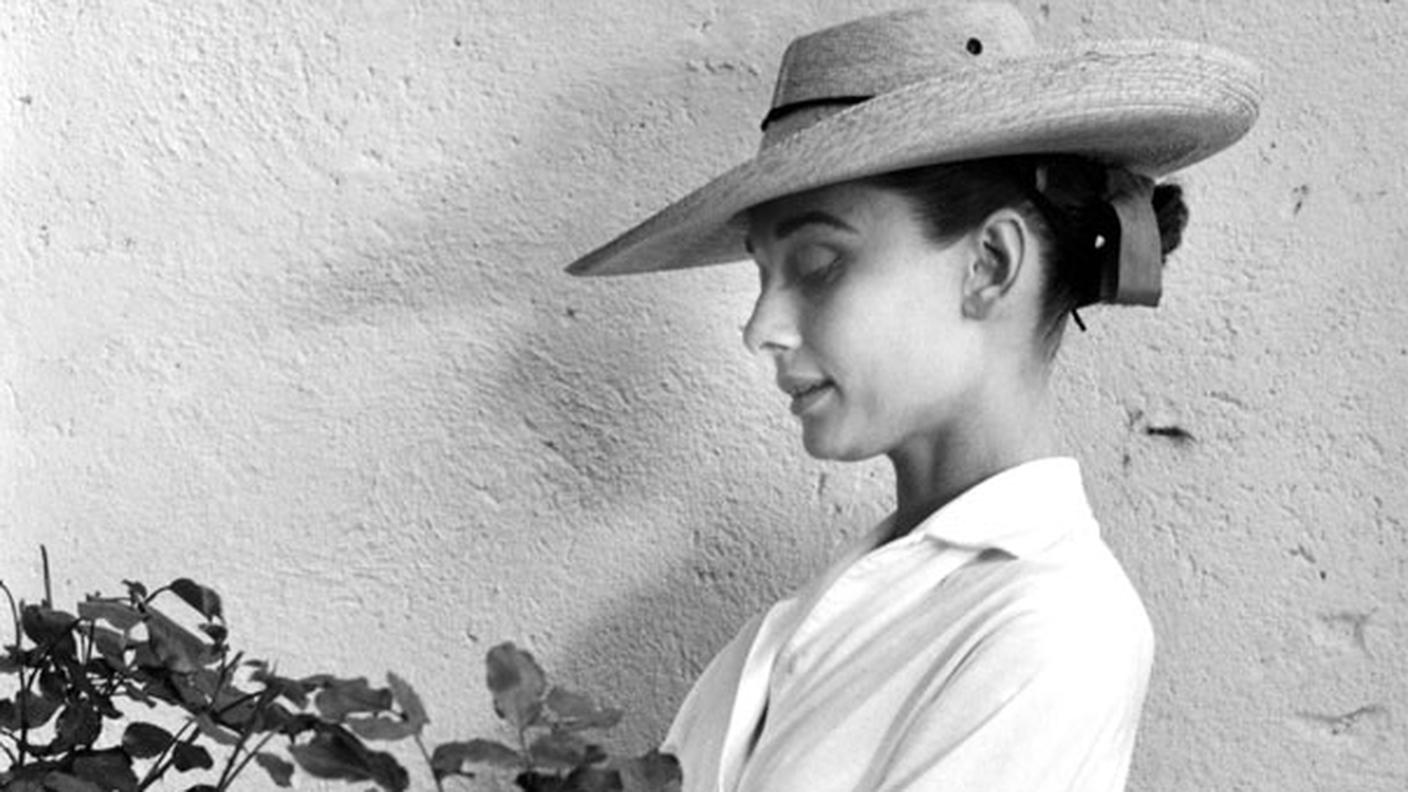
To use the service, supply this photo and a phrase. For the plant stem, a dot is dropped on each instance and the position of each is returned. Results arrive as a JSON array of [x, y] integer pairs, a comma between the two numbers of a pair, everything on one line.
[[241, 700], [439, 786], [48, 589], [14, 613], [24, 686], [88, 647], [225, 774], [164, 761], [250, 754], [23, 698], [246, 732]]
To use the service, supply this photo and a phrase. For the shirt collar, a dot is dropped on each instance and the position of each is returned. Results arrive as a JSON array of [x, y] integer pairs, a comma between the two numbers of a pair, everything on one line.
[[1021, 511]]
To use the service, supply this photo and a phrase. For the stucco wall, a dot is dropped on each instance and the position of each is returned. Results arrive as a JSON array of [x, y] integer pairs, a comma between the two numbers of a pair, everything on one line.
[[281, 309]]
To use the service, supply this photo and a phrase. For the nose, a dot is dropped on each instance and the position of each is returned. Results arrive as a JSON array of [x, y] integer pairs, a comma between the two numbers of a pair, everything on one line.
[[772, 327]]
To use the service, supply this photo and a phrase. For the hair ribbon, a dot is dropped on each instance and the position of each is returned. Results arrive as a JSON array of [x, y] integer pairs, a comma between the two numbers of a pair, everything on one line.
[[1135, 277]]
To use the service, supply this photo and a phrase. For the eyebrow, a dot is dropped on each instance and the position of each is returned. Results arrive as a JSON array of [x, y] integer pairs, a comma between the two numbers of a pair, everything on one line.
[[790, 225]]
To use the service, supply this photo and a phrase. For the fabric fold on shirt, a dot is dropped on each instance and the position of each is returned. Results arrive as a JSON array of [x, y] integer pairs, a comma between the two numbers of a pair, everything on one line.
[[882, 642]]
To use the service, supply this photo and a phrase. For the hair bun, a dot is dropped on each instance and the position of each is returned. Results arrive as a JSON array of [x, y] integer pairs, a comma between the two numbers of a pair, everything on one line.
[[1172, 215]]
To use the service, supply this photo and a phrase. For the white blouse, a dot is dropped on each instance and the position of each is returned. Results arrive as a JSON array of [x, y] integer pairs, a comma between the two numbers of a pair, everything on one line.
[[998, 646]]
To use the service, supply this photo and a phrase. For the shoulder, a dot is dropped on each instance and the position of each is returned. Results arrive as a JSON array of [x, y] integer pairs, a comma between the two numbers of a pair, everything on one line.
[[1073, 601]]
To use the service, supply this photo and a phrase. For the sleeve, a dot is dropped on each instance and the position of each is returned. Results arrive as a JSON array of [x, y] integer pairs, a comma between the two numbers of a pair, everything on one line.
[[1047, 702], [696, 737]]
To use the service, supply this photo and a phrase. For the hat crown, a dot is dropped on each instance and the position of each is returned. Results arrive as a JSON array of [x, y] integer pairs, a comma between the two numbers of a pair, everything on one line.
[[830, 69]]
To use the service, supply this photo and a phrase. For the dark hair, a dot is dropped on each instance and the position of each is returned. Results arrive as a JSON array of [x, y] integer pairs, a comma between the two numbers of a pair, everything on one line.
[[1069, 211]]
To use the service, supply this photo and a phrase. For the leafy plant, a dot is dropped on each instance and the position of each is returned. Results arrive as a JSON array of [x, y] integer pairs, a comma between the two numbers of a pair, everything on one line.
[[548, 723], [79, 677], [57, 730]]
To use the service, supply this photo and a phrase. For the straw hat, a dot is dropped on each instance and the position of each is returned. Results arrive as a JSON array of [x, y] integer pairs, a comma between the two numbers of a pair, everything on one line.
[[948, 83]]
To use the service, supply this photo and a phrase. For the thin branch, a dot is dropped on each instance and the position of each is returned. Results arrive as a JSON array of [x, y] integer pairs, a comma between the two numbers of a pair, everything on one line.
[[225, 774], [439, 786], [226, 668], [265, 698], [14, 613], [153, 595], [167, 757], [250, 754], [88, 648], [23, 741], [241, 700], [48, 589]]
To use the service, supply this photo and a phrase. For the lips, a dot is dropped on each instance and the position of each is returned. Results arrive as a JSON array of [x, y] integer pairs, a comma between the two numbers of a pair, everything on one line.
[[805, 392]]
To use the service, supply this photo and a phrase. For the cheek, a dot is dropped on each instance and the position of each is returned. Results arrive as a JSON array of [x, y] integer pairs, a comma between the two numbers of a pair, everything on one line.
[[840, 331], [911, 353], [884, 323]]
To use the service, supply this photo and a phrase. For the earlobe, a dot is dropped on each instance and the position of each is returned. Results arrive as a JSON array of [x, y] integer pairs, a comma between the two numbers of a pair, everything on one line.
[[998, 257]]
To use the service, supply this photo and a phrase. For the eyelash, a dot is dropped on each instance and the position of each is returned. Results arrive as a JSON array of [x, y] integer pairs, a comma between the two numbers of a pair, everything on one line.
[[815, 276]]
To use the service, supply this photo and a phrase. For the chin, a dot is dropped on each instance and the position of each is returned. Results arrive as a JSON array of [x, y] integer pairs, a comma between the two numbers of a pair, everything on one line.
[[821, 445]]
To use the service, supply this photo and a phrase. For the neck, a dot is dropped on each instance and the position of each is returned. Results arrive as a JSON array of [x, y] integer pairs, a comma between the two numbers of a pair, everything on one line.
[[933, 471]]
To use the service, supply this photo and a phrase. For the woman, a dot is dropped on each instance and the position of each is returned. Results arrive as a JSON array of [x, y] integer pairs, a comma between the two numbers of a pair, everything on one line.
[[934, 197]]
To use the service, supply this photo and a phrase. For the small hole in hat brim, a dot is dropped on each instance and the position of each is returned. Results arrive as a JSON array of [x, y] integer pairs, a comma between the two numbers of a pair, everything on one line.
[[975, 47]]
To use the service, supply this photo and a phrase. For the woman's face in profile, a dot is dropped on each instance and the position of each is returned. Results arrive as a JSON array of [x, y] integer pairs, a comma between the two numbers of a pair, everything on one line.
[[860, 311]]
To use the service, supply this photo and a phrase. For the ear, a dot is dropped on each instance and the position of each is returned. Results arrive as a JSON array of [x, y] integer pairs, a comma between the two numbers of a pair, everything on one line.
[[1003, 246]]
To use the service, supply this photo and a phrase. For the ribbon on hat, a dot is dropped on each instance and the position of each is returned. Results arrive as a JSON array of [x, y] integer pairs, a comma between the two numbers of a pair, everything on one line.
[[1126, 251], [1134, 276]]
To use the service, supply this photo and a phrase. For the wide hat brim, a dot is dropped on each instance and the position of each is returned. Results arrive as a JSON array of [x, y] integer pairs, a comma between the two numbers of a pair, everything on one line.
[[1151, 107]]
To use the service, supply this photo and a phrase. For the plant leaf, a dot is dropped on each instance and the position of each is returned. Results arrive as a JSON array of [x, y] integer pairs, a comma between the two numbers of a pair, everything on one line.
[[342, 697], [296, 691], [273, 717], [380, 728], [651, 772], [111, 644], [518, 684], [31, 710], [187, 756], [175, 647], [335, 753], [561, 750], [592, 779], [300, 723], [145, 740], [231, 706], [277, 768], [207, 682], [63, 782], [52, 683], [115, 612], [409, 702], [110, 769], [203, 599], [575, 711], [217, 632], [79, 725], [450, 758], [215, 731], [50, 628], [143, 656]]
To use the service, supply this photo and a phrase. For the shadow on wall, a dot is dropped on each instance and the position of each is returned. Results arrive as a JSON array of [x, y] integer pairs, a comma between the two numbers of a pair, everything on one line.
[[593, 374]]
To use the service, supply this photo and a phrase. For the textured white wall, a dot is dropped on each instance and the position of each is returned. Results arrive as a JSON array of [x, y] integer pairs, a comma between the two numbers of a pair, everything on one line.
[[281, 309]]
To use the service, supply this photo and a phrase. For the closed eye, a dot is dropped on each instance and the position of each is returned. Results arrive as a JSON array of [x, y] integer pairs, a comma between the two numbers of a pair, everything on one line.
[[813, 264]]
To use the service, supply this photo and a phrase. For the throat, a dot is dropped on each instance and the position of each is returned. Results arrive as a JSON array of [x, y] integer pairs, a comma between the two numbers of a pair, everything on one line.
[[928, 477]]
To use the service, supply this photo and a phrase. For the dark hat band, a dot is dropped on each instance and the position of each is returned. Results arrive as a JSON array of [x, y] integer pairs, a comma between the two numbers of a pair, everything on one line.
[[785, 110]]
